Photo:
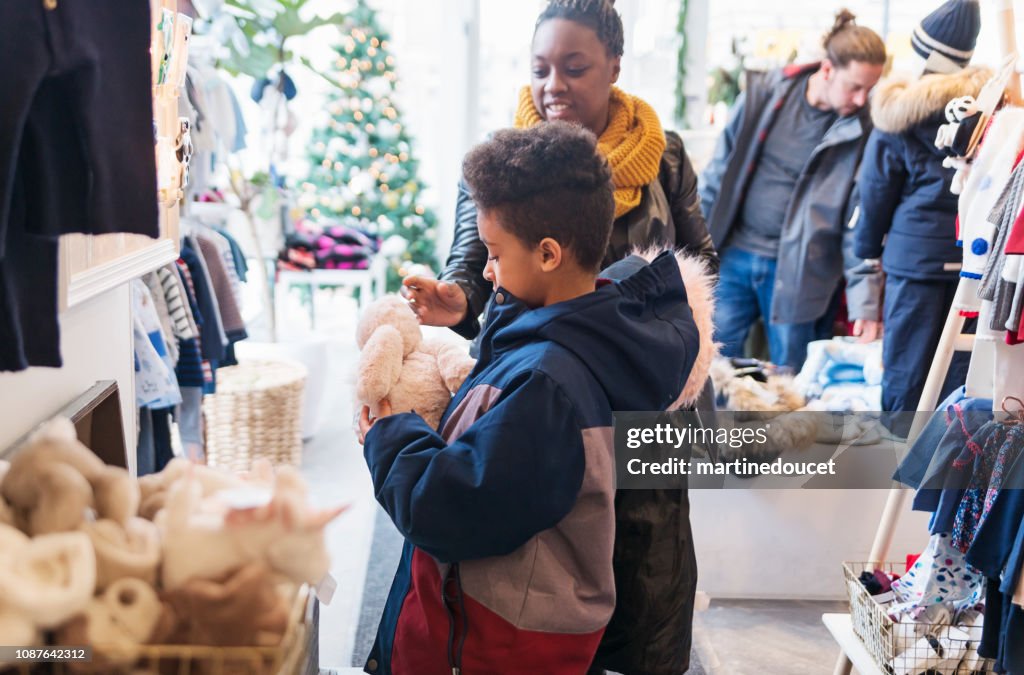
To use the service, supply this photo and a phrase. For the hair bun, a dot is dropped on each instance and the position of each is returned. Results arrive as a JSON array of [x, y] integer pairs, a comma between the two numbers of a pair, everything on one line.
[[844, 18]]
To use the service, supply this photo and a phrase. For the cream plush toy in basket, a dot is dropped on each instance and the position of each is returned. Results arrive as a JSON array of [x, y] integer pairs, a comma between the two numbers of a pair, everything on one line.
[[398, 364]]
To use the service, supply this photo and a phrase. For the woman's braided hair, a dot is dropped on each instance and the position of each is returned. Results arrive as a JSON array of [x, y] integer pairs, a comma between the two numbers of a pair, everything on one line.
[[600, 15]]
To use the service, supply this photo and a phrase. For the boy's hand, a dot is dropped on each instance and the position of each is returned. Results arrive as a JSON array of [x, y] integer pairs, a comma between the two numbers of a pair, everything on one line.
[[867, 330], [436, 303], [365, 422]]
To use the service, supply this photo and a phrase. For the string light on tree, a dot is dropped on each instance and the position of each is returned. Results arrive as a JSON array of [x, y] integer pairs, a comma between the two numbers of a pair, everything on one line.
[[361, 158]]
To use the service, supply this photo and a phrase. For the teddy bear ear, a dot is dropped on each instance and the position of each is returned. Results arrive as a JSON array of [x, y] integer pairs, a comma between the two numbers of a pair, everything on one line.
[[388, 310], [319, 519], [262, 471]]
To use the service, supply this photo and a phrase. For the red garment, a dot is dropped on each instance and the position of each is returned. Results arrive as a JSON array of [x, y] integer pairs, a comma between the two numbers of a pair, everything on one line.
[[1016, 337], [422, 633], [1015, 242]]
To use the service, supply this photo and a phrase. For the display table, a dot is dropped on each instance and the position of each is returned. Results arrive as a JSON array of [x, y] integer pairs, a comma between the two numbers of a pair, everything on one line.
[[772, 530], [841, 628], [371, 282]]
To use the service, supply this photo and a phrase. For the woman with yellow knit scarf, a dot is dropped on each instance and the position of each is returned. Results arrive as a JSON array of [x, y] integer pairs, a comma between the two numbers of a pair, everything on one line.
[[577, 47]]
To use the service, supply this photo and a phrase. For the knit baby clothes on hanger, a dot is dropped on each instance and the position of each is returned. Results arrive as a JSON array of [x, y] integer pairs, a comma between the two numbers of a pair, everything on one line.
[[164, 312], [944, 503], [993, 544], [1013, 276], [999, 280], [1013, 271], [999, 452], [155, 383], [182, 322], [990, 173], [1001, 218], [227, 302]]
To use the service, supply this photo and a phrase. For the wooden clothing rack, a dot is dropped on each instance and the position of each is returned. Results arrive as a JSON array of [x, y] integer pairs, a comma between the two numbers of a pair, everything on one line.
[[952, 340]]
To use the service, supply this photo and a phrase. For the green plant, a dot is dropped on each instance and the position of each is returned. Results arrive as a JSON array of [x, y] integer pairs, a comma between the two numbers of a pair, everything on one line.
[[268, 25], [684, 46], [726, 83]]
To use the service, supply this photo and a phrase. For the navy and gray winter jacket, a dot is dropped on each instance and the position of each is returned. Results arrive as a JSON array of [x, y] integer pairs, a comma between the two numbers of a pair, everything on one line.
[[508, 508]]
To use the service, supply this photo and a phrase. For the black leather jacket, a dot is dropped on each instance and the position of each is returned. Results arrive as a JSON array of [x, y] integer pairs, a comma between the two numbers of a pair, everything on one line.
[[669, 213]]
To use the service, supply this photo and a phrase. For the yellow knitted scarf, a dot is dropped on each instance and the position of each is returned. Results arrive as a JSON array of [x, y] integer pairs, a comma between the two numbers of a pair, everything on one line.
[[633, 143]]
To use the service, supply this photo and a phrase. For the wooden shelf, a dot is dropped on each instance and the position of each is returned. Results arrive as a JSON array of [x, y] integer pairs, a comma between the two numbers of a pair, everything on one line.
[[137, 256]]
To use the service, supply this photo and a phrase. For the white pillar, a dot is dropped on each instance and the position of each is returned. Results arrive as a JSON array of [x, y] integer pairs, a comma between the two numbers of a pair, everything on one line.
[[460, 87], [698, 20]]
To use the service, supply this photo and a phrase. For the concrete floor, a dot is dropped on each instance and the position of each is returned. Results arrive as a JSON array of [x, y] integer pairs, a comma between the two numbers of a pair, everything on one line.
[[765, 637]]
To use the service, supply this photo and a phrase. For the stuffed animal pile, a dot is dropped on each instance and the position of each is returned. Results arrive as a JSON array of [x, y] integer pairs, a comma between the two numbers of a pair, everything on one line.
[[758, 398], [91, 556]]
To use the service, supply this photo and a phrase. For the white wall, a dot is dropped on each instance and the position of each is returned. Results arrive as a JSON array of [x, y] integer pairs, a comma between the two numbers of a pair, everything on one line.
[[740, 18], [790, 543], [96, 344]]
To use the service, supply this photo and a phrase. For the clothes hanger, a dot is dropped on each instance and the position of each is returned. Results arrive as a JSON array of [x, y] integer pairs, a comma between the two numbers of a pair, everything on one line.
[[1014, 416], [992, 93]]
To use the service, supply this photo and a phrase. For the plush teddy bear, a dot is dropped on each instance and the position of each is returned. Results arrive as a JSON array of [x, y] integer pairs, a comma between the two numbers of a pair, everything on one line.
[[54, 480], [774, 405], [44, 581], [131, 550], [248, 606], [6, 514], [207, 537], [963, 116], [398, 364], [154, 487], [116, 623]]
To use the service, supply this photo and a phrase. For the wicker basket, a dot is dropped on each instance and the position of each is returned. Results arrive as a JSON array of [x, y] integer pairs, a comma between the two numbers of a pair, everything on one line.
[[295, 655], [881, 635], [256, 413]]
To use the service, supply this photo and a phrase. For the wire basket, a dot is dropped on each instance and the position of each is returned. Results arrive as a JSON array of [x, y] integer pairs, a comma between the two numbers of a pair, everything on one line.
[[908, 648], [295, 655], [256, 413]]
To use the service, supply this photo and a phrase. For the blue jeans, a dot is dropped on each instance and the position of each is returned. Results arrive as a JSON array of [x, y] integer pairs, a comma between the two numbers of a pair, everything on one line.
[[745, 286]]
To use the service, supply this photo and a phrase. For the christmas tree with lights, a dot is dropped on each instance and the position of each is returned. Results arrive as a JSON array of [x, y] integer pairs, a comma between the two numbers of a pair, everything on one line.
[[363, 173]]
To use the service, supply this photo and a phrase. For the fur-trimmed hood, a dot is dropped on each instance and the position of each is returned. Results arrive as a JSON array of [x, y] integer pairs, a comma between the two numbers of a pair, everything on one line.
[[700, 295], [898, 105]]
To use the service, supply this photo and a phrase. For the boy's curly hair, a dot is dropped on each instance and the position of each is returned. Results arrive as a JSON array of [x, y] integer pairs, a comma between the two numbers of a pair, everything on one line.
[[546, 181]]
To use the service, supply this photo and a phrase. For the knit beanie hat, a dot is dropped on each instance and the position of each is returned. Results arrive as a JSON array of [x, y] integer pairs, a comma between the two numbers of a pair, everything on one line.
[[951, 32]]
